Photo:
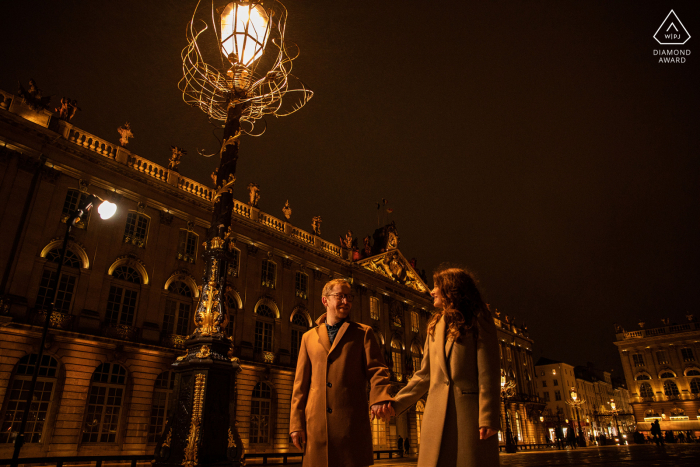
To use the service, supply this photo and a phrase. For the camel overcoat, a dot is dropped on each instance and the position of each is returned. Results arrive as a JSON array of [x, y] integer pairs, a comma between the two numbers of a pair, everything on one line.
[[463, 381], [329, 396]]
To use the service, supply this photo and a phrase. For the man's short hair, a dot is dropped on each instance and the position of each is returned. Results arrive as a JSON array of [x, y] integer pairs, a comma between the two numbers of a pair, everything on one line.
[[330, 284]]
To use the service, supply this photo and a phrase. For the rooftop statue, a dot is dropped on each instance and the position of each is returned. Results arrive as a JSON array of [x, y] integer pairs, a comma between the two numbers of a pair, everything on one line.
[[125, 133], [32, 96]]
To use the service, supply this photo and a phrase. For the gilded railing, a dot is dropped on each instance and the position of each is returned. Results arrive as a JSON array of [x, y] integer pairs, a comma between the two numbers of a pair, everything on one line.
[[271, 222]]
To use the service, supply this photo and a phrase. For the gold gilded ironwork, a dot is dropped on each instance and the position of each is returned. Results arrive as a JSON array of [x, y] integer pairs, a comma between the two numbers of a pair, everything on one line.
[[210, 317], [393, 265], [190, 454], [204, 352], [216, 242], [168, 439], [182, 357], [231, 440]]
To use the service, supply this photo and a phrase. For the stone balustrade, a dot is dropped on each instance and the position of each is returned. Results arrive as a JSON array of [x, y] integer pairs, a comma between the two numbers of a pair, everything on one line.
[[241, 209], [196, 188], [87, 140], [271, 221], [676, 328], [302, 235], [5, 99], [147, 167]]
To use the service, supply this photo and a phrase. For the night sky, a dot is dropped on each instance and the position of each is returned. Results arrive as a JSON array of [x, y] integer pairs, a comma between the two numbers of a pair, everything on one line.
[[540, 144]]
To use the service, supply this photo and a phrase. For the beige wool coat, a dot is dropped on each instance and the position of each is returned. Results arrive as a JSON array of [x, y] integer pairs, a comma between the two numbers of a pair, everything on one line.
[[463, 382], [329, 396]]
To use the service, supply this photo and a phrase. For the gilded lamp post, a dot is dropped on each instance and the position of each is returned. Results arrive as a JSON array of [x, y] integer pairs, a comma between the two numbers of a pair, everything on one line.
[[251, 77], [576, 403], [507, 391]]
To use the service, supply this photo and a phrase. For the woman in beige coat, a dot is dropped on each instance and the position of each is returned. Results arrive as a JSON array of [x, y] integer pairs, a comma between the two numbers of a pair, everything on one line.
[[460, 370]]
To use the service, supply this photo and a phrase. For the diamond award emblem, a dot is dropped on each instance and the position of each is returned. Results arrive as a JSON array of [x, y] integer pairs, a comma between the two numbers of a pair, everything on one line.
[[672, 31]]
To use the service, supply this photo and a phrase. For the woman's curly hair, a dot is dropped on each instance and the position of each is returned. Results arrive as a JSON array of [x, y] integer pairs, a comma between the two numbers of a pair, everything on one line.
[[461, 298]]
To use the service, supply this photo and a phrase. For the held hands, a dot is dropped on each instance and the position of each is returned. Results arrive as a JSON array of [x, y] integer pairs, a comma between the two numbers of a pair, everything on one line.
[[383, 411], [485, 433], [299, 439]]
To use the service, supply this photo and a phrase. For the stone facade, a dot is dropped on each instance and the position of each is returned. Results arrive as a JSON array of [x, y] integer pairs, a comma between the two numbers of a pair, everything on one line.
[[129, 287], [662, 370]]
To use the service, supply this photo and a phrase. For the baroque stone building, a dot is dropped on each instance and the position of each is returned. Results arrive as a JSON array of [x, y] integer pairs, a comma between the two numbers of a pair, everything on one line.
[[129, 286], [663, 374]]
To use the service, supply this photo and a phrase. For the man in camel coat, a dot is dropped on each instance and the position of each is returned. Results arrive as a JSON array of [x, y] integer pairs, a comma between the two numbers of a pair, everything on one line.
[[329, 419]]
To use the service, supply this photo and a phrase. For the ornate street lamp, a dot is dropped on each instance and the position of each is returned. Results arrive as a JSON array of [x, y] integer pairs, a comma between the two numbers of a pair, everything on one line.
[[105, 210], [249, 77], [576, 403], [617, 427], [507, 391]]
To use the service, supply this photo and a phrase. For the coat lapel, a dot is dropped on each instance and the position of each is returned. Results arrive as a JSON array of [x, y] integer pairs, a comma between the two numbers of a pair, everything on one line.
[[338, 336], [440, 345], [323, 337]]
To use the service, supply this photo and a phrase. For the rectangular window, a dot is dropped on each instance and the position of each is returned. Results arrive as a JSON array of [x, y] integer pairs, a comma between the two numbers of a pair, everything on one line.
[[64, 297], [136, 230], [269, 270], [259, 421], [687, 354], [415, 321], [73, 199], [233, 263], [662, 357], [177, 317], [546, 396], [557, 395], [263, 336], [556, 382], [544, 383], [121, 305], [378, 432], [187, 246], [374, 308], [509, 353], [638, 359], [396, 363], [301, 281], [102, 421]]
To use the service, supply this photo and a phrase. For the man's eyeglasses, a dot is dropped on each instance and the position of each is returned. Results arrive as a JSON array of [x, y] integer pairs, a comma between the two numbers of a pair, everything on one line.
[[343, 296]]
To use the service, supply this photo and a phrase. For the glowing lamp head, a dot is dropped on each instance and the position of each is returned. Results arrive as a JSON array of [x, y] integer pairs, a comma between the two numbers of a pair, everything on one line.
[[612, 404], [245, 28], [574, 395], [541, 418], [107, 209], [503, 380]]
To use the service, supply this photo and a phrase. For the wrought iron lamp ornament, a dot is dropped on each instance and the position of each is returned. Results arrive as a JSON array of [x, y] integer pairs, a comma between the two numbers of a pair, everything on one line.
[[576, 403], [507, 391], [246, 31]]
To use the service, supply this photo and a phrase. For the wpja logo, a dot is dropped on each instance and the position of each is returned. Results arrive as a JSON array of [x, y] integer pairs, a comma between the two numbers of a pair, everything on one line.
[[672, 32]]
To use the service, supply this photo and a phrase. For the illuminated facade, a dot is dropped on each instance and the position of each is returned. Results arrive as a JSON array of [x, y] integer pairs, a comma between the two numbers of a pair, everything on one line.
[[662, 369]]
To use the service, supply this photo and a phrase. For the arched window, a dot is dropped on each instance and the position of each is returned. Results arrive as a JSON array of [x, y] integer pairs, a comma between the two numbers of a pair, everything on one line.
[[66, 283], [300, 325], [16, 399], [105, 400], [643, 377], [670, 388], [667, 374], [416, 356], [677, 411], [397, 358], [178, 307], [692, 372], [301, 284], [374, 308], [420, 408], [263, 328], [162, 393], [136, 231], [518, 428], [123, 296], [695, 386], [260, 414]]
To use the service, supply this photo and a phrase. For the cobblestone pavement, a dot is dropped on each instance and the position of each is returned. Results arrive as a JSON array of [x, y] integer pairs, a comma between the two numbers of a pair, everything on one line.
[[679, 455]]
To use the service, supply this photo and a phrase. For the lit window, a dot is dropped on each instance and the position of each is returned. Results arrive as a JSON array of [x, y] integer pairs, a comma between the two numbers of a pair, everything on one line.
[[374, 308], [638, 359], [16, 399], [415, 321], [416, 357], [645, 390], [397, 358], [260, 408], [378, 432], [420, 408], [301, 282], [136, 230], [269, 270], [670, 388], [263, 329], [105, 399], [187, 246], [687, 354], [162, 394]]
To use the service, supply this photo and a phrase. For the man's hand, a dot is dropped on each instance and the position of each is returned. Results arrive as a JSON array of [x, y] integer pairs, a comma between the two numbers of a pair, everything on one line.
[[485, 433], [384, 411], [299, 439]]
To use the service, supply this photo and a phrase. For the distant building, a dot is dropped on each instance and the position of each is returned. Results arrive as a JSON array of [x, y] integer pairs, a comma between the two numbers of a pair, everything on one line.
[[595, 391], [663, 374]]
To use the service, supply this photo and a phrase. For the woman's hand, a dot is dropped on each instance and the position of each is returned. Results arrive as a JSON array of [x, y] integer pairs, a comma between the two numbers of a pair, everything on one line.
[[485, 433]]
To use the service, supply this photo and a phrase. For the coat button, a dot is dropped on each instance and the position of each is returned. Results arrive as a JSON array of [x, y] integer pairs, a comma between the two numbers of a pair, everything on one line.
[[329, 410], [330, 385], [447, 383]]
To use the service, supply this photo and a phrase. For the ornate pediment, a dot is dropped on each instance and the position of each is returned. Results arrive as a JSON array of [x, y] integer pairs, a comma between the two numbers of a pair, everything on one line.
[[393, 264]]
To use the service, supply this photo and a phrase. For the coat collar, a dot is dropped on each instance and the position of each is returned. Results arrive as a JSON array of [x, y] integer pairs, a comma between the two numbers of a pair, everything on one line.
[[323, 333], [443, 348]]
